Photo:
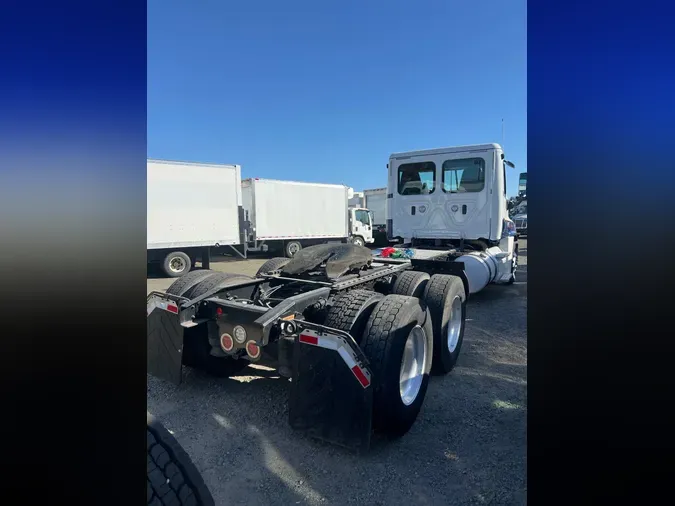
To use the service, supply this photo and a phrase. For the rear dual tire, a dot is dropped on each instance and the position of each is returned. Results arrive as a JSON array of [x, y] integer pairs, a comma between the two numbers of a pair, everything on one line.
[[386, 328], [271, 265], [398, 345], [445, 297], [410, 283]]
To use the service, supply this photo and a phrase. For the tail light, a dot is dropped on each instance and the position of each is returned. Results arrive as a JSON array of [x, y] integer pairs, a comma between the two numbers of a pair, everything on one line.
[[226, 342], [253, 350]]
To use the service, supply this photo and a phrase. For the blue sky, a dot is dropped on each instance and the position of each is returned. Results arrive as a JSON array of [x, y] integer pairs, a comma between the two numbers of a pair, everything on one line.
[[326, 91]]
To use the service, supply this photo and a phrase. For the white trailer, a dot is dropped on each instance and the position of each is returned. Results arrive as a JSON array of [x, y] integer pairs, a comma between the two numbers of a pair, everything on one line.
[[286, 216], [454, 199], [190, 208], [376, 202]]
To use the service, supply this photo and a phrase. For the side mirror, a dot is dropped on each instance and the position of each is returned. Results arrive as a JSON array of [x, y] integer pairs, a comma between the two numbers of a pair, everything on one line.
[[510, 164]]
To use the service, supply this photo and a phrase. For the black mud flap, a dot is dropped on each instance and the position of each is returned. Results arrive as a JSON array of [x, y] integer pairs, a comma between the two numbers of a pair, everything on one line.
[[165, 345], [331, 390]]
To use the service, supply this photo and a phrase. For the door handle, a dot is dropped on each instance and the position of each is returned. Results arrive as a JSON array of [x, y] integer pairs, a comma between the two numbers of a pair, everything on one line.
[[412, 210]]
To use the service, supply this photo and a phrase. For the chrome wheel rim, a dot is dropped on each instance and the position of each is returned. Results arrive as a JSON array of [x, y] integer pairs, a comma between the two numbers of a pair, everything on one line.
[[455, 323], [358, 242], [412, 365], [177, 264], [293, 248]]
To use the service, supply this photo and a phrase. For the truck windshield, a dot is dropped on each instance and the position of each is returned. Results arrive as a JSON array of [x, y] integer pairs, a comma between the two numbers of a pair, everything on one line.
[[362, 216]]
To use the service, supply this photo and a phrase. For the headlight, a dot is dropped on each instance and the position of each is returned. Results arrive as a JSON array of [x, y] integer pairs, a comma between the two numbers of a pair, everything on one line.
[[239, 334]]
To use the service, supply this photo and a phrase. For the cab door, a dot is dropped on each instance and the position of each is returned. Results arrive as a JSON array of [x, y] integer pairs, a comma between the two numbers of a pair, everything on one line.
[[361, 225]]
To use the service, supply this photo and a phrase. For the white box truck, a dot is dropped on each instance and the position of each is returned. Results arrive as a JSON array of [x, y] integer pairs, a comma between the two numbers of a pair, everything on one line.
[[286, 216], [191, 207]]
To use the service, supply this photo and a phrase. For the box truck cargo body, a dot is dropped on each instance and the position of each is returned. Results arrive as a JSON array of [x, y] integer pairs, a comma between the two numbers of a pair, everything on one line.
[[376, 202], [191, 206], [287, 215]]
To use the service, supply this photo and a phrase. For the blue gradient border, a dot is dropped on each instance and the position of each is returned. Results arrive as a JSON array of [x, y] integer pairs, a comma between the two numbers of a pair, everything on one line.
[[72, 234], [601, 181]]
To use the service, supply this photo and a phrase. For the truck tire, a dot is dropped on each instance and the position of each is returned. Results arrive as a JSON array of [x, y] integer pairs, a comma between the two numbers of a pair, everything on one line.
[[446, 298], [173, 478], [184, 283], [358, 240], [350, 311], [291, 248], [176, 264], [211, 281], [272, 264], [197, 348], [395, 323], [410, 283]]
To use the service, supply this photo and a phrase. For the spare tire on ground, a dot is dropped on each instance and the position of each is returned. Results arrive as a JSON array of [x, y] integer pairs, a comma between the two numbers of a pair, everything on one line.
[[173, 478]]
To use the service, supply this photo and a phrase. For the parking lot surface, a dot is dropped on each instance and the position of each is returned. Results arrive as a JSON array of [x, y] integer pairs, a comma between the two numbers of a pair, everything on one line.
[[468, 445]]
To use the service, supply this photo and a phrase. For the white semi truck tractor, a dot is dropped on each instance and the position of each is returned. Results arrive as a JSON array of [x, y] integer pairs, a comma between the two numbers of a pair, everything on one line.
[[452, 202]]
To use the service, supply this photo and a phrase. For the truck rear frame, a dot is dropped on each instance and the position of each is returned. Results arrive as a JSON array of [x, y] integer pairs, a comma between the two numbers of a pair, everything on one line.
[[331, 394]]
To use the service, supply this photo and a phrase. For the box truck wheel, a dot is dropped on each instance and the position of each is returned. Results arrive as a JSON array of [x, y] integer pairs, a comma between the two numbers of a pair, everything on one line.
[[358, 240], [410, 283], [291, 248], [400, 352], [445, 296], [350, 311], [173, 479], [176, 263], [273, 264]]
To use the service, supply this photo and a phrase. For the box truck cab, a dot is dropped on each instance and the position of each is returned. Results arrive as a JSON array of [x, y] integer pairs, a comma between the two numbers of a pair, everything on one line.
[[361, 226]]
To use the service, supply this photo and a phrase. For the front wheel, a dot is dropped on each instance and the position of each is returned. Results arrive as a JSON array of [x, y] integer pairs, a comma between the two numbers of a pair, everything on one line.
[[358, 240]]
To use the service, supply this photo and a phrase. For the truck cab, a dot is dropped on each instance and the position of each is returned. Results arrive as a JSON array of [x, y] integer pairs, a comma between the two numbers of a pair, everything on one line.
[[448, 196], [360, 226]]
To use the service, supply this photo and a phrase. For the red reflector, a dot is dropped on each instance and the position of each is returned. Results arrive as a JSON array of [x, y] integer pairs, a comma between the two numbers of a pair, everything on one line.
[[304, 338], [252, 349], [226, 342], [360, 376], [219, 311], [172, 309]]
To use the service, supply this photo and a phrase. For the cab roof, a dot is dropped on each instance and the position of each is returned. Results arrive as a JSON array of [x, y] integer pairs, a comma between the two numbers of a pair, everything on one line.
[[440, 151]]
